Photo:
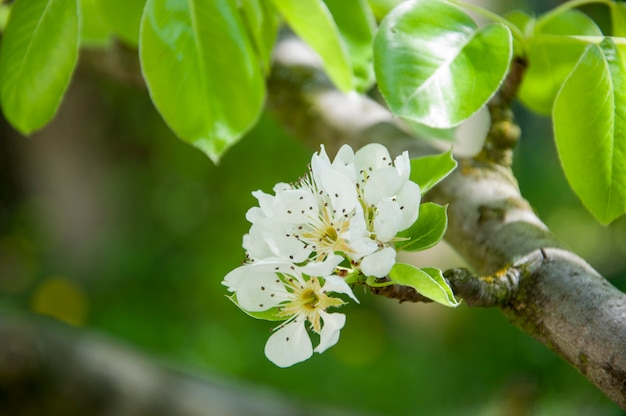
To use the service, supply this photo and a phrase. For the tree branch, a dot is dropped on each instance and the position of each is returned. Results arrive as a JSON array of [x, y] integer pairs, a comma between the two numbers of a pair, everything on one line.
[[48, 368], [559, 299]]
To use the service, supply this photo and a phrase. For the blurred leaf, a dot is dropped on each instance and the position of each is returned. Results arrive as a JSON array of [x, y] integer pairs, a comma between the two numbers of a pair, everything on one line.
[[93, 30], [618, 18], [428, 282], [312, 21], [524, 22], [427, 231], [203, 78], [122, 17], [428, 171], [262, 22], [434, 65], [61, 298], [37, 59], [5, 11], [382, 7], [552, 56], [357, 25], [590, 129]]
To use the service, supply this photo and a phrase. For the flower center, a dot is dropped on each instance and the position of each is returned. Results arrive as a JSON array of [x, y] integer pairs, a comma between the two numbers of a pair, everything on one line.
[[308, 301], [325, 235]]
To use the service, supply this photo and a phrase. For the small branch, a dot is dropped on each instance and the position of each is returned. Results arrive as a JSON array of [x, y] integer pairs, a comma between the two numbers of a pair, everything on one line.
[[401, 293], [476, 291], [504, 132], [550, 293]]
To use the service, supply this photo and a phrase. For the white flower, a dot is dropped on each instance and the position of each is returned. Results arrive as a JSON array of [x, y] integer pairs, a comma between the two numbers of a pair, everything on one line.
[[354, 205], [299, 296]]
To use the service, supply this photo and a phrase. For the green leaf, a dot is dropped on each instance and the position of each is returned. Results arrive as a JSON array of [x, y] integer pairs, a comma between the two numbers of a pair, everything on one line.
[[381, 8], [201, 70], [428, 282], [552, 55], [93, 30], [268, 315], [590, 129], [37, 59], [122, 18], [427, 231], [522, 20], [262, 23], [313, 22], [5, 11], [356, 25], [428, 171], [618, 18], [525, 23], [434, 65]]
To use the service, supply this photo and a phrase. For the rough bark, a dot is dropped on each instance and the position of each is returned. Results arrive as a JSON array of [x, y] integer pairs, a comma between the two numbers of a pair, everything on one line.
[[557, 297]]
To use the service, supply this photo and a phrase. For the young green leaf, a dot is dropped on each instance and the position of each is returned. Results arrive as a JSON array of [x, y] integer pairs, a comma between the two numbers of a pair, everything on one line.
[[524, 22], [428, 282], [590, 129], [122, 18], [618, 18], [552, 55], [37, 59], [435, 66], [381, 8], [427, 231], [428, 171], [93, 30], [356, 24], [262, 23], [201, 70], [312, 21]]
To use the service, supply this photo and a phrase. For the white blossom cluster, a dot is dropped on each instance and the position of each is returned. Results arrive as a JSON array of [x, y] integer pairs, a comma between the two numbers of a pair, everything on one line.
[[340, 220]]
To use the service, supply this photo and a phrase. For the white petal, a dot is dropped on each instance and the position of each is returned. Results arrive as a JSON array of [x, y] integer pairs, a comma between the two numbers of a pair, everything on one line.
[[359, 237], [323, 268], [336, 284], [403, 165], [387, 220], [344, 163], [255, 244], [371, 157], [333, 322], [341, 190], [382, 183], [254, 214], [266, 202], [260, 291], [289, 345], [380, 263], [319, 163], [281, 186], [408, 199], [269, 237], [231, 280], [344, 155], [295, 206]]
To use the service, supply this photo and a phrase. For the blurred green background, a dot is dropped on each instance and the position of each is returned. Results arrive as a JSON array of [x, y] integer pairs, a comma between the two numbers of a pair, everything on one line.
[[110, 223]]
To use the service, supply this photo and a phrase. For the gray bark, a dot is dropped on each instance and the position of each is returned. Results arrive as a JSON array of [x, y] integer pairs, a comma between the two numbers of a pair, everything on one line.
[[557, 297]]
